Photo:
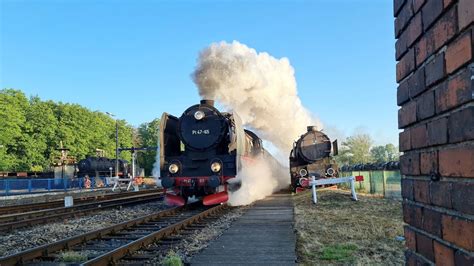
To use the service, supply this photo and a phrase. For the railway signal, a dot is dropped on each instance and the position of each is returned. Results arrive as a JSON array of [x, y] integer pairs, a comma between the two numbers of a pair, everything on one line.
[[133, 150]]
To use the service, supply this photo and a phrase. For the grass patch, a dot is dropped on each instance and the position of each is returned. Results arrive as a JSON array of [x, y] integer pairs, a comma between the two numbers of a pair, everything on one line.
[[339, 230], [72, 256], [338, 252], [172, 259]]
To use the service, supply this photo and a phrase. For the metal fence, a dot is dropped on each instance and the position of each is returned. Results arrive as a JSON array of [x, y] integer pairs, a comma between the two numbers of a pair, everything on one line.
[[38, 185], [379, 182]]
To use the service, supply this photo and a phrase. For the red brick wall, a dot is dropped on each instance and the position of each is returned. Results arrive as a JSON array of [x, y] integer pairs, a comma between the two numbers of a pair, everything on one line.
[[435, 72]]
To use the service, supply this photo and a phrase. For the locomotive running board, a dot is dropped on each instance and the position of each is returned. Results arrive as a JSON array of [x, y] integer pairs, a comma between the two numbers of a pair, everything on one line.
[[215, 198], [173, 200]]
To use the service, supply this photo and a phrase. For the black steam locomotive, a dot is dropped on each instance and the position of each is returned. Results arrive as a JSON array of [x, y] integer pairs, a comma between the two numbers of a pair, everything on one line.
[[101, 166], [201, 151], [311, 156]]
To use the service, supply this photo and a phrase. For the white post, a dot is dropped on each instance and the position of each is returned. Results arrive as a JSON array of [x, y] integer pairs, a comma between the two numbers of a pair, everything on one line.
[[68, 201], [133, 164], [353, 191], [116, 184], [313, 185]]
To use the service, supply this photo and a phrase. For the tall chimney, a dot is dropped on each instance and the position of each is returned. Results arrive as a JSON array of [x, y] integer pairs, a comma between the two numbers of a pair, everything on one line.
[[208, 102]]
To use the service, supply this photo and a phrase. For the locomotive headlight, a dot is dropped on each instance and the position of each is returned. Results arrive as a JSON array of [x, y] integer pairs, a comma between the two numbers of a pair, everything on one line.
[[303, 172], [199, 115], [330, 171], [173, 168], [216, 167]]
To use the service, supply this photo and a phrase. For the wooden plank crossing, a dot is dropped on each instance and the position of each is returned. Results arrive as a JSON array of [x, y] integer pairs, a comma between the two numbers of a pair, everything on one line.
[[264, 235]]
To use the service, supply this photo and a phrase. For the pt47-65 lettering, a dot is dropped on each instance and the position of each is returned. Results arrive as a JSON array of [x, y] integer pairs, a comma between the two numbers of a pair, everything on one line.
[[201, 132]]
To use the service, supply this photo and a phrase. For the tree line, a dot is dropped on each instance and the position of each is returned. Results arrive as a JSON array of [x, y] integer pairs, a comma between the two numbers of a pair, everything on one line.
[[359, 149], [32, 129]]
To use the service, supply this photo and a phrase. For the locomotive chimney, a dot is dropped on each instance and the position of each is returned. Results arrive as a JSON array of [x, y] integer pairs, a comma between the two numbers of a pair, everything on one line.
[[311, 128], [208, 102]]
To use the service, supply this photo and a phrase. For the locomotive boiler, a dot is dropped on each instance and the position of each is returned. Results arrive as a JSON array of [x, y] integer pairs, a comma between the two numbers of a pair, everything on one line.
[[201, 151], [311, 156], [100, 166]]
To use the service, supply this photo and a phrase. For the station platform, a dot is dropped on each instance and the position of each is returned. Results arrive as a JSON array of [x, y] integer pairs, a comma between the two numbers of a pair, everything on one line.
[[263, 235]]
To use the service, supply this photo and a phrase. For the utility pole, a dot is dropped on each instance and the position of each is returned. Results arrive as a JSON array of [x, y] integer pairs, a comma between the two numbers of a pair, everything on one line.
[[116, 144], [116, 149], [133, 150]]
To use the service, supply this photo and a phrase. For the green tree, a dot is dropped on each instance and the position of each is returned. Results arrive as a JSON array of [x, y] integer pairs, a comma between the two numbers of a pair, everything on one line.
[[148, 137], [32, 130], [13, 106], [40, 129], [355, 149], [384, 153]]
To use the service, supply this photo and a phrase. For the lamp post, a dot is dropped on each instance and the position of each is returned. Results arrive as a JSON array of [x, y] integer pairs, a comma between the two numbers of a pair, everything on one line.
[[116, 144]]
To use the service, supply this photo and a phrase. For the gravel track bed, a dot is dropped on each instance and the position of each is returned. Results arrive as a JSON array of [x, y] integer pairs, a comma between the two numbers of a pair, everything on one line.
[[26, 238], [52, 196], [193, 243]]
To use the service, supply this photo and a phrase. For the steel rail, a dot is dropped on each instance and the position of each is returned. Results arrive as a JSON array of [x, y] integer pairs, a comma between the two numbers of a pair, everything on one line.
[[120, 252], [117, 253], [11, 222], [34, 214], [12, 209], [65, 244]]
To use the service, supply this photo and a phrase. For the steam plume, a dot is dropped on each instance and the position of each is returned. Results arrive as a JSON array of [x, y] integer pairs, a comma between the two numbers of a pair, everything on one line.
[[258, 180], [262, 90], [259, 87]]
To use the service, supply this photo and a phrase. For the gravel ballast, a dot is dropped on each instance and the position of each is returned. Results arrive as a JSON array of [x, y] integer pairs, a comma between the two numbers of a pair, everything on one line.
[[193, 243], [26, 238], [51, 196]]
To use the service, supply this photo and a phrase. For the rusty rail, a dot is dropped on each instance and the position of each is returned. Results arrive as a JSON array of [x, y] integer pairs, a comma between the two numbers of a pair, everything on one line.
[[12, 209], [14, 221], [118, 253], [111, 256]]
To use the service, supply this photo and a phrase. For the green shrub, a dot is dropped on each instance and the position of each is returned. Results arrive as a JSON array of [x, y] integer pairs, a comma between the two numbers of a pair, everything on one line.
[[172, 259], [72, 256]]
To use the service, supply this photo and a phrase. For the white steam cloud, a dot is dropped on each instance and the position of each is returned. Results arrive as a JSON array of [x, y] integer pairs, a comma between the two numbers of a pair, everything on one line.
[[156, 167], [262, 90], [258, 179]]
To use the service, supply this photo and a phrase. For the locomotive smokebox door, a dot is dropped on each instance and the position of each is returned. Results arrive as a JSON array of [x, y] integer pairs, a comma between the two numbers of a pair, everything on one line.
[[202, 134], [202, 127], [314, 146]]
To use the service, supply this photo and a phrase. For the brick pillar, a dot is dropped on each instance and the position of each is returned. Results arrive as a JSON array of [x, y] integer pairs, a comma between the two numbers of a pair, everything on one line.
[[435, 72]]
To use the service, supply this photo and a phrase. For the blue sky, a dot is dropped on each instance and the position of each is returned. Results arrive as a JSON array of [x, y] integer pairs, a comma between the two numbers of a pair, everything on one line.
[[135, 58]]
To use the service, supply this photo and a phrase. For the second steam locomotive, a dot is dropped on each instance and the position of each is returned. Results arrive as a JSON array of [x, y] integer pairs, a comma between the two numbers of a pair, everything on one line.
[[202, 150], [101, 166], [311, 156]]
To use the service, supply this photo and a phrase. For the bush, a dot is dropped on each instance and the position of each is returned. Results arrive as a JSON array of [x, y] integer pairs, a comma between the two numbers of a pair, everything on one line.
[[172, 259], [72, 256]]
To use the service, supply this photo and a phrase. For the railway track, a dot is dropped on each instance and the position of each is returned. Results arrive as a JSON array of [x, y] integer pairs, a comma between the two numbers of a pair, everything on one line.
[[14, 221], [120, 241], [59, 203]]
